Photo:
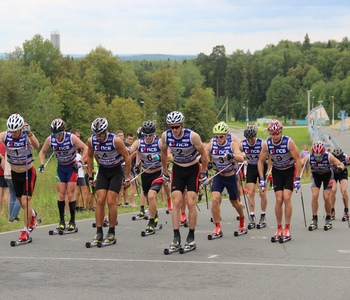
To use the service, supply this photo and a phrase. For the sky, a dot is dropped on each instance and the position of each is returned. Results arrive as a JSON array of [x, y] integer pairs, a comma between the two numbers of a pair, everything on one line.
[[171, 26]]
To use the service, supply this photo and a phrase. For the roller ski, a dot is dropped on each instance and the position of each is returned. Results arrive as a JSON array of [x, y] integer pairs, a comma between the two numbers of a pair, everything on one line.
[[60, 227], [262, 222], [217, 233], [278, 234], [241, 229], [23, 239], [332, 214], [140, 216], [328, 225], [71, 228], [151, 229], [251, 224], [188, 247], [313, 225], [286, 235], [108, 240], [169, 209], [105, 223], [97, 239], [174, 247]]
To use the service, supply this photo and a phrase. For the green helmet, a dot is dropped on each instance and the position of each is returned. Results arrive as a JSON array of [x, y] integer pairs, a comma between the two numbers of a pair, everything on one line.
[[220, 128]]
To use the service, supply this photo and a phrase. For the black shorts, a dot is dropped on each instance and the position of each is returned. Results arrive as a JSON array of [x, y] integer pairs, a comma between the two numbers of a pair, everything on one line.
[[147, 179], [253, 174], [340, 176], [283, 179], [326, 179], [19, 182], [109, 178], [185, 177], [81, 181]]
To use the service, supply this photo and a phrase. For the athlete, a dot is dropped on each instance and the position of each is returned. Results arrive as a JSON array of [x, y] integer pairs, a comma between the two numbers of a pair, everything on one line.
[[20, 142], [184, 145], [223, 154], [285, 158], [251, 148]]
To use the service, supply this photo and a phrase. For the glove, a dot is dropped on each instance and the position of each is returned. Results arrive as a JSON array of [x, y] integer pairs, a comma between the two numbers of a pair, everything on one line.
[[166, 178], [156, 157], [41, 168], [77, 166], [27, 129], [204, 181], [262, 184], [297, 183], [126, 181], [91, 180], [210, 165], [230, 156], [137, 169], [269, 177], [339, 169]]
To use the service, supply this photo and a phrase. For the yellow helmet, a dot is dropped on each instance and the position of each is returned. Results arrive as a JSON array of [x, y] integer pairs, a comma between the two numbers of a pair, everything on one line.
[[220, 128]]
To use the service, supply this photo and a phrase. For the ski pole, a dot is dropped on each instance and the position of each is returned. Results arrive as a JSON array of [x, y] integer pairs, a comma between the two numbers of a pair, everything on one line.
[[27, 182], [142, 172], [245, 200], [301, 195], [206, 196], [48, 159]]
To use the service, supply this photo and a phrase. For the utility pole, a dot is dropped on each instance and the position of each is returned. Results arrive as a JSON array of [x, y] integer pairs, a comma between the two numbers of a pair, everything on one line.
[[308, 108]]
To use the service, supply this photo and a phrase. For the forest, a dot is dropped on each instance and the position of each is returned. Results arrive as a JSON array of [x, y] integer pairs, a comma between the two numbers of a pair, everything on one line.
[[41, 84]]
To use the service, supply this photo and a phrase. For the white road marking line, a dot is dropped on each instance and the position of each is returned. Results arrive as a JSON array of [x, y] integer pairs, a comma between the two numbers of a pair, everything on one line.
[[213, 256], [229, 263]]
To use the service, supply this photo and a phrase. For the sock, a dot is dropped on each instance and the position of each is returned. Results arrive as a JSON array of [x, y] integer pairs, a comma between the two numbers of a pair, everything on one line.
[[218, 224], [315, 218], [142, 208], [72, 211], [61, 205], [346, 210], [99, 230], [111, 230]]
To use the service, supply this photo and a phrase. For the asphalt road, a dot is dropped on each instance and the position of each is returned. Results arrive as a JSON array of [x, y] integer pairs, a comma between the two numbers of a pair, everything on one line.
[[314, 265]]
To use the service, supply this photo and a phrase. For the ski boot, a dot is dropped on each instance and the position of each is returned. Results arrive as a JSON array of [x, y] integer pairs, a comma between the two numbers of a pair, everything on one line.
[[313, 225], [262, 222], [140, 216], [23, 239], [217, 233], [328, 225], [278, 234], [34, 221], [286, 235], [98, 238], [189, 246], [200, 197], [149, 230], [251, 224], [241, 229], [61, 226], [174, 247], [332, 214], [170, 206], [71, 226], [108, 240], [345, 217], [183, 220]]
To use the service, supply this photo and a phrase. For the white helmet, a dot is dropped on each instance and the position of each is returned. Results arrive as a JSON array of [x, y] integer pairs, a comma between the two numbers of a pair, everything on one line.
[[15, 122], [57, 126], [175, 117], [99, 125]]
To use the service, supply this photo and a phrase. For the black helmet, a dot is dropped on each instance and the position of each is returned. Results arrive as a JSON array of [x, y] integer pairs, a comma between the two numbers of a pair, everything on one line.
[[139, 132], [148, 127], [57, 125], [250, 132], [338, 153]]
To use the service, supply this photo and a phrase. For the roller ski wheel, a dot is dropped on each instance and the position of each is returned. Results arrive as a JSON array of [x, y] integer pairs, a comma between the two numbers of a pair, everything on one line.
[[91, 244], [188, 247], [173, 248], [18, 243], [147, 233], [168, 211], [138, 217], [237, 218], [184, 224], [261, 225], [284, 239], [55, 231], [251, 225], [215, 236], [104, 243], [275, 239], [240, 232], [212, 220], [105, 224], [63, 232], [37, 222], [328, 226], [345, 218]]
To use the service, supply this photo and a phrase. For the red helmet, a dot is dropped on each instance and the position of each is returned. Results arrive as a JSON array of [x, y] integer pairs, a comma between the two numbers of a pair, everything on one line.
[[275, 127], [318, 148]]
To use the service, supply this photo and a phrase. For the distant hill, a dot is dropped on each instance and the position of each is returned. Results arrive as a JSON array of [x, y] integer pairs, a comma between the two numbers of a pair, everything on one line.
[[126, 57]]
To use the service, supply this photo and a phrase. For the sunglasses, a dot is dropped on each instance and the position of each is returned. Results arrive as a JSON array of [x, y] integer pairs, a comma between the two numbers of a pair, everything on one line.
[[218, 136], [58, 133], [318, 156], [101, 134], [148, 134], [175, 127]]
